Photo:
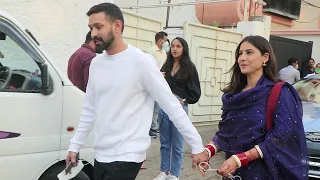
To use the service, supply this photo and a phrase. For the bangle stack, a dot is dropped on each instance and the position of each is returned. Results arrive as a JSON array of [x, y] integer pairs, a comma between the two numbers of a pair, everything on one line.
[[259, 151], [211, 150], [251, 156], [235, 157], [243, 160]]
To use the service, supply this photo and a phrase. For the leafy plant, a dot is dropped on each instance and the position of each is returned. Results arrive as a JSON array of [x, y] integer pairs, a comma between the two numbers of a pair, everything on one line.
[[215, 24]]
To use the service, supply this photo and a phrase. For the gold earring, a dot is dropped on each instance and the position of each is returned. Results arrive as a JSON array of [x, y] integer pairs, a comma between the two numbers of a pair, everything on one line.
[[264, 63]]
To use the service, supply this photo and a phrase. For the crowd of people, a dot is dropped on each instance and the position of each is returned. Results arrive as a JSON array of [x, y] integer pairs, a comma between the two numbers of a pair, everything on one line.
[[131, 95], [291, 74]]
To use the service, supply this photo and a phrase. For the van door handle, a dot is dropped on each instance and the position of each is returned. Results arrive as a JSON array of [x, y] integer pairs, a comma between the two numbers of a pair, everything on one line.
[[70, 128]]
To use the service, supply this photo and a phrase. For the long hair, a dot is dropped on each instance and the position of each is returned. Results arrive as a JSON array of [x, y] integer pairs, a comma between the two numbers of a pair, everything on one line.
[[185, 61], [239, 80]]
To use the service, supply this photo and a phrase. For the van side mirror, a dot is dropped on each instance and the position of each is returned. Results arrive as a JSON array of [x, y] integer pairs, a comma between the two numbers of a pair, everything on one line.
[[2, 36], [45, 80]]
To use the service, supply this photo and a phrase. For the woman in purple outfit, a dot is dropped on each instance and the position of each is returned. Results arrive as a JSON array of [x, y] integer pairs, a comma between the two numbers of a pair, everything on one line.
[[252, 152]]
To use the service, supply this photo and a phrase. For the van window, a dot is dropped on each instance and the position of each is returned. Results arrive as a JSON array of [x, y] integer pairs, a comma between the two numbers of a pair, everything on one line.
[[19, 72]]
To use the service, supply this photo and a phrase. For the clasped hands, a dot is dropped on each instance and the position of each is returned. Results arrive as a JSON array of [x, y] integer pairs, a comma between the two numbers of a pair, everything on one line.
[[230, 165], [201, 161]]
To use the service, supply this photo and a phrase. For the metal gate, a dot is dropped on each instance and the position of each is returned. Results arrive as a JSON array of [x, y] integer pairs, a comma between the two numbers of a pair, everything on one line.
[[285, 48], [139, 31], [212, 51]]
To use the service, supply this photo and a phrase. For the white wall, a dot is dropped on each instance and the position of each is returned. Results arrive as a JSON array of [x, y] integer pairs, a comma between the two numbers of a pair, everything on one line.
[[59, 25], [178, 14], [306, 38]]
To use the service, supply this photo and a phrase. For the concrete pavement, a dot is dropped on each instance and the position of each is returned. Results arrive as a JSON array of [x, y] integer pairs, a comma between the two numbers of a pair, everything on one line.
[[187, 173]]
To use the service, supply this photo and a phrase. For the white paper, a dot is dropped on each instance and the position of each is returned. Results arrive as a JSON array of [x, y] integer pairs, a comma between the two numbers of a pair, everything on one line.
[[74, 172]]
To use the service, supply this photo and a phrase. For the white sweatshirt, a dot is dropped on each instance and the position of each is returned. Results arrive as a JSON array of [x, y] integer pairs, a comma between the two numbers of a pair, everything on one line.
[[119, 101]]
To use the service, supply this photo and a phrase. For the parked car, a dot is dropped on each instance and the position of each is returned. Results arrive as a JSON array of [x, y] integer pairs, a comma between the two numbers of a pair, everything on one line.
[[309, 92]]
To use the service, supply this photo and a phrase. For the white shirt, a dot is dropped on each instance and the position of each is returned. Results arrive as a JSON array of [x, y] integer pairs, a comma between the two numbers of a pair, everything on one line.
[[119, 101], [159, 54], [289, 74]]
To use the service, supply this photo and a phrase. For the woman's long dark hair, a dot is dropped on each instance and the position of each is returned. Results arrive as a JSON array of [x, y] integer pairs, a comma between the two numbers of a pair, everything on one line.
[[185, 61], [239, 80]]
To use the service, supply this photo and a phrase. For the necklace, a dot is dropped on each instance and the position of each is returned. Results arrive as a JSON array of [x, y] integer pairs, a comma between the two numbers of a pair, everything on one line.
[[175, 69]]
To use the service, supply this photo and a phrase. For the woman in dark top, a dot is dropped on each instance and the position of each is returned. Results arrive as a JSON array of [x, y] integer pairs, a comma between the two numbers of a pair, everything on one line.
[[252, 150], [182, 77]]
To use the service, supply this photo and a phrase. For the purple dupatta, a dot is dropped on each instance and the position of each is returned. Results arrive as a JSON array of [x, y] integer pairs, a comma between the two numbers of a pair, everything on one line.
[[243, 126]]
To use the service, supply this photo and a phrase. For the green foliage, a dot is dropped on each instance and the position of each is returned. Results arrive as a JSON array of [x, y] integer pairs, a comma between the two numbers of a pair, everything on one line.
[[215, 24]]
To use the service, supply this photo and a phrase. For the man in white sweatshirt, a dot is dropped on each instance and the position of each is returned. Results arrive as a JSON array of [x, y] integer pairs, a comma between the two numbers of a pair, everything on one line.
[[123, 85]]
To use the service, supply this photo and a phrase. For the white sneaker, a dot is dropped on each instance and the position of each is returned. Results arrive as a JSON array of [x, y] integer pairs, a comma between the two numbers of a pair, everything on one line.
[[173, 177], [162, 176]]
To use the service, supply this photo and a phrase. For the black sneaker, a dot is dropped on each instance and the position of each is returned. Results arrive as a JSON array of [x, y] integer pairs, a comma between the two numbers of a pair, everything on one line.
[[155, 131], [152, 134]]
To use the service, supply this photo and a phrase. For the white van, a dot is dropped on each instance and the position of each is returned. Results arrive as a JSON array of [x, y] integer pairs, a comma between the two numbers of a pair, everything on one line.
[[39, 110]]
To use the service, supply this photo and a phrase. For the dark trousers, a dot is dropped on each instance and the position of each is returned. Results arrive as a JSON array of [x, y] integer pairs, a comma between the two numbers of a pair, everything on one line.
[[116, 170]]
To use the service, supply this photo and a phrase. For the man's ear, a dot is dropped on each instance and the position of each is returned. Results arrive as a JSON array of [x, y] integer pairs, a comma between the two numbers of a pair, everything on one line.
[[118, 26]]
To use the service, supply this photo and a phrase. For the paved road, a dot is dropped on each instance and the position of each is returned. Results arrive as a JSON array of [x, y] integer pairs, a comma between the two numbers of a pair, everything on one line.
[[187, 173]]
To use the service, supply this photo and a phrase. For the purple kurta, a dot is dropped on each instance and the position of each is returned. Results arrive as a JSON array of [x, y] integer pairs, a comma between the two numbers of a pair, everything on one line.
[[243, 126]]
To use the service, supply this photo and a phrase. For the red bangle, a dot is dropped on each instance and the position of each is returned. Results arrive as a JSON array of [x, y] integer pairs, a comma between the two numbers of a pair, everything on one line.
[[243, 159], [254, 157], [212, 150]]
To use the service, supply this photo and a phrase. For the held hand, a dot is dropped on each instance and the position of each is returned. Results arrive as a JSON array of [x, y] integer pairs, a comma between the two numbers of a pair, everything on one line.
[[72, 156], [203, 167], [182, 102], [164, 74], [197, 159], [228, 167]]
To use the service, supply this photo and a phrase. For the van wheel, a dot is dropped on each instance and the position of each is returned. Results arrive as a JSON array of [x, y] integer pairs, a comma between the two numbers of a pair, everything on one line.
[[51, 174]]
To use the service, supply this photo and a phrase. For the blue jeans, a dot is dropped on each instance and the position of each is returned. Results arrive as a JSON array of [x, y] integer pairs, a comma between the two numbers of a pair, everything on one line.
[[171, 148]]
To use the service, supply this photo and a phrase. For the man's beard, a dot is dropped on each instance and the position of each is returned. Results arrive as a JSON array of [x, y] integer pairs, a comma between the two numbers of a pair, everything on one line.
[[105, 44]]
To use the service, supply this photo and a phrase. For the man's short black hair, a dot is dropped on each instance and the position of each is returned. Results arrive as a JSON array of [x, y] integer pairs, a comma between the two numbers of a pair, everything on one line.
[[311, 59], [110, 10], [160, 35], [292, 60], [88, 38]]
